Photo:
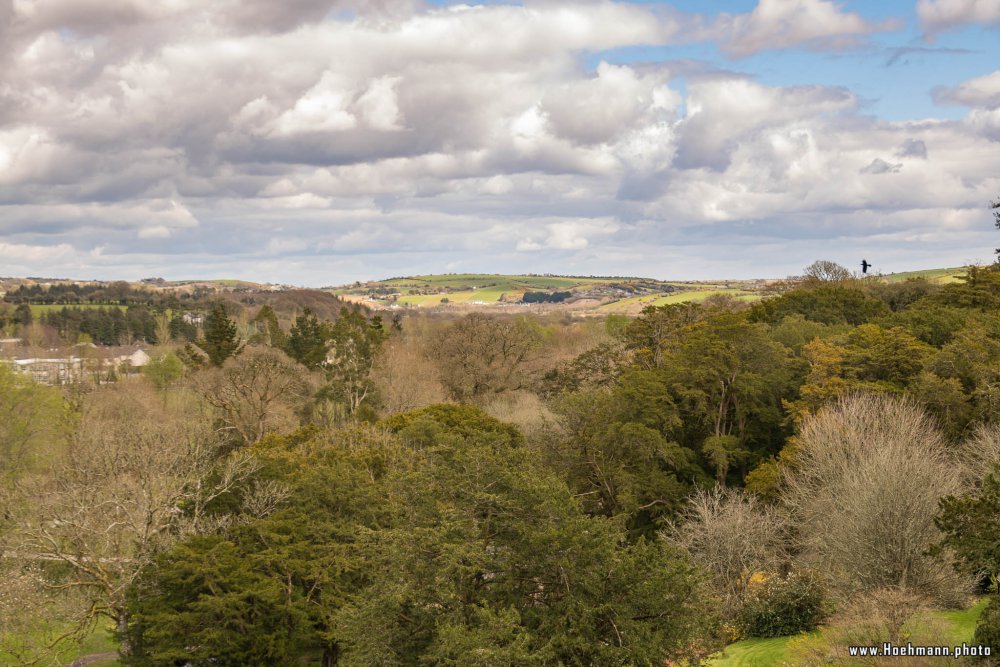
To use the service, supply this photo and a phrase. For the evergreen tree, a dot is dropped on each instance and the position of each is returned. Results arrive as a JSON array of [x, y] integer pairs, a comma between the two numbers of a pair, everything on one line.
[[307, 341], [220, 338]]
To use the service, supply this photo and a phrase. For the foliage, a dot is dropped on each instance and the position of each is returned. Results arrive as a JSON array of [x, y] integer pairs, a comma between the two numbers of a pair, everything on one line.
[[545, 297], [269, 589], [354, 344], [784, 606], [493, 559], [735, 538], [823, 270], [988, 628], [269, 330], [827, 304], [164, 370], [34, 422], [307, 341], [970, 529], [455, 548], [480, 354], [219, 337]]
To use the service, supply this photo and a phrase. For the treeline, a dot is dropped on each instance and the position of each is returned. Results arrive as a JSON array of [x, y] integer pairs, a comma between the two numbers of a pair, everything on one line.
[[545, 297], [119, 293], [104, 326], [525, 490]]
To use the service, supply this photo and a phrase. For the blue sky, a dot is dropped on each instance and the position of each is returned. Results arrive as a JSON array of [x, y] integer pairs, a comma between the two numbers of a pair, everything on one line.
[[324, 141]]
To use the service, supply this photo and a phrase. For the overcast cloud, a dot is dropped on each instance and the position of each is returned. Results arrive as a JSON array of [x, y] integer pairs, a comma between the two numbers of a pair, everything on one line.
[[318, 142]]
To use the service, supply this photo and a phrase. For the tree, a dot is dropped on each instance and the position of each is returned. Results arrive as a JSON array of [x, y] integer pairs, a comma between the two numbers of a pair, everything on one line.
[[307, 341], [734, 537], [164, 370], [23, 315], [353, 348], [492, 562], [405, 378], [481, 354], [220, 340], [268, 590], [255, 393], [863, 490], [269, 331], [971, 532], [823, 270], [615, 453], [995, 205], [34, 423], [137, 477]]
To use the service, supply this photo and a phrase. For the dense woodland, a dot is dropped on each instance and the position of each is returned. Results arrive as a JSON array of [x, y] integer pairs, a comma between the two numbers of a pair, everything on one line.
[[288, 483]]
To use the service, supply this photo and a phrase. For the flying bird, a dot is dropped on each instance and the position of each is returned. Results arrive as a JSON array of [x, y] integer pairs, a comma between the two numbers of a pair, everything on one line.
[[865, 266]]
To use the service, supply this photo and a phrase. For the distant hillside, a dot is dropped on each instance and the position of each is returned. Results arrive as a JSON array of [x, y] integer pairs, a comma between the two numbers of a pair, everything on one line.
[[937, 276], [585, 293]]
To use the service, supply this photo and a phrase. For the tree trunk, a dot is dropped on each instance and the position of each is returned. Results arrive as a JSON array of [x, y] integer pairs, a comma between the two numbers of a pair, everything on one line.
[[124, 645], [331, 655]]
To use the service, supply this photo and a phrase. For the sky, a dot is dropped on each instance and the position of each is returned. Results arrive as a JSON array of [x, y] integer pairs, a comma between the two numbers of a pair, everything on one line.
[[319, 142]]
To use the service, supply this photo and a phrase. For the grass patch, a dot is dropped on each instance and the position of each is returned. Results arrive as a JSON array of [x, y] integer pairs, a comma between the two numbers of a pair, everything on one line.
[[937, 276], [753, 653], [958, 626], [100, 640]]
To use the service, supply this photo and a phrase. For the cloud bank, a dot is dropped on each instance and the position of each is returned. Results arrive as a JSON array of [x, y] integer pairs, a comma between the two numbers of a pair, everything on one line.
[[330, 141]]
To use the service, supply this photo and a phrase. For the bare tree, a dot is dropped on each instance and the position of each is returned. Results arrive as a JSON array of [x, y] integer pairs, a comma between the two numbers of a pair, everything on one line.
[[863, 492], [826, 271], [733, 536], [480, 355], [137, 477], [980, 454], [405, 378], [255, 393]]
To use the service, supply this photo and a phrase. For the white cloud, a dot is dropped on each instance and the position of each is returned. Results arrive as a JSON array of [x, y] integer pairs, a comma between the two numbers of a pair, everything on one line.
[[390, 135], [982, 92], [780, 24], [938, 15], [880, 166], [41, 254]]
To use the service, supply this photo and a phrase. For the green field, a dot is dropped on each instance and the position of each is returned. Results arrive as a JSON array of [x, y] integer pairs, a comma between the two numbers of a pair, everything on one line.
[[937, 276], [468, 288], [959, 626], [39, 308]]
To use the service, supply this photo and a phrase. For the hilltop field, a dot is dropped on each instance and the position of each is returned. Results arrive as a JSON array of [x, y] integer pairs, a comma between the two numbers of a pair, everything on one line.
[[581, 294]]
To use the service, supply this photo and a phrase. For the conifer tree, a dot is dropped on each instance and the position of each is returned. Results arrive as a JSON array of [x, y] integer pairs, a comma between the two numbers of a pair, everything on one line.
[[220, 338]]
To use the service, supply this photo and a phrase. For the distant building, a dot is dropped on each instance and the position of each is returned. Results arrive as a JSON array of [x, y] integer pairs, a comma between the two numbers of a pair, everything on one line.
[[193, 318], [90, 362]]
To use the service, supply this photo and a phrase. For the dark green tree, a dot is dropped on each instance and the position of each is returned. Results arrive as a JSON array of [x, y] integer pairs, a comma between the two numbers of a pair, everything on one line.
[[307, 341], [354, 344], [219, 337], [22, 314], [972, 534]]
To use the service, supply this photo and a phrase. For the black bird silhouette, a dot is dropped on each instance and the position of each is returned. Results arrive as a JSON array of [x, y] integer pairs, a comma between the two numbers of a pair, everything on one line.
[[865, 266]]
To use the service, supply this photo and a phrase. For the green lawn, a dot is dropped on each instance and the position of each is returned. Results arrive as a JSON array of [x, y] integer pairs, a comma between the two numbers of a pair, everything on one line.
[[753, 653], [99, 641], [959, 627], [39, 308]]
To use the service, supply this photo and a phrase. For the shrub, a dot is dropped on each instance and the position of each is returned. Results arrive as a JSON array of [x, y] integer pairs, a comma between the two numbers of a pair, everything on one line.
[[988, 628], [788, 606]]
